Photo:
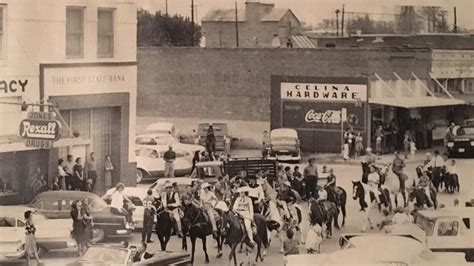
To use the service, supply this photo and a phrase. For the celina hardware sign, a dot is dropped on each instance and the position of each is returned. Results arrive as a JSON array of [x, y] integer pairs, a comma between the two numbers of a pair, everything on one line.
[[40, 130]]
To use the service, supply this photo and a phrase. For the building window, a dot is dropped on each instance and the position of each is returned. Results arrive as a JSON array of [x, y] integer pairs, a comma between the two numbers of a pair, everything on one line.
[[2, 27], [105, 33], [74, 32]]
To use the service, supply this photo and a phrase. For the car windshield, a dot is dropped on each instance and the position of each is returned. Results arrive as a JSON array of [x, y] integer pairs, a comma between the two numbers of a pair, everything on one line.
[[163, 140], [425, 224], [152, 153], [288, 139], [145, 141], [466, 131], [105, 255], [159, 131], [7, 222]]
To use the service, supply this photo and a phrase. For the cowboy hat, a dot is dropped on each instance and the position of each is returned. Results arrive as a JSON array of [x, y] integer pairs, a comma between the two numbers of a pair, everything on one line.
[[206, 185], [243, 189], [168, 184]]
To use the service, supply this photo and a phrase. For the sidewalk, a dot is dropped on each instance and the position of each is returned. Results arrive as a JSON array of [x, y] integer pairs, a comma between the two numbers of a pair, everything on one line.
[[332, 158]]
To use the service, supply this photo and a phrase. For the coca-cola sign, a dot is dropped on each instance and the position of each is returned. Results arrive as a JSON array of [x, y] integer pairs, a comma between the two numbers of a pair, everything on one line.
[[328, 117]]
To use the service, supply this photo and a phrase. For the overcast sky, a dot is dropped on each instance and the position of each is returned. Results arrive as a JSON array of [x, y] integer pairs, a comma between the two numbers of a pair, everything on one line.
[[313, 11]]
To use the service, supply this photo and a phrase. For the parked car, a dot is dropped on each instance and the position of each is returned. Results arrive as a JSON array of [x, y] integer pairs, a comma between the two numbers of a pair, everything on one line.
[[123, 256], [49, 234], [162, 128], [463, 143], [220, 132], [157, 140], [150, 162], [379, 250], [57, 205], [447, 229], [285, 144]]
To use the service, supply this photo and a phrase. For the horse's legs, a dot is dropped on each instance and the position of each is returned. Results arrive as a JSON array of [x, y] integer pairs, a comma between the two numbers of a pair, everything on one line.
[[343, 210], [204, 248], [184, 245], [336, 222], [404, 195], [167, 239], [193, 246]]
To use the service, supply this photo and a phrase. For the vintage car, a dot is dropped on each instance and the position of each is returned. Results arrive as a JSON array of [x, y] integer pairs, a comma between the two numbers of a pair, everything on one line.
[[285, 145], [157, 140], [150, 162], [463, 143], [123, 256], [221, 133], [447, 229], [162, 128], [57, 205], [379, 250], [50, 234]]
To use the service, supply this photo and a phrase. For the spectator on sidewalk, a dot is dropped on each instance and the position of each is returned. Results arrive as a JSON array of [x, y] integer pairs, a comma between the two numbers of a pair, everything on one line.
[[91, 169], [69, 168], [109, 167], [169, 157], [310, 174], [79, 181], [359, 146], [62, 175], [379, 135]]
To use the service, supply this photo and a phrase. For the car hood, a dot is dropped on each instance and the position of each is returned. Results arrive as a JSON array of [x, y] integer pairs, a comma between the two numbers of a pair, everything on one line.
[[464, 137]]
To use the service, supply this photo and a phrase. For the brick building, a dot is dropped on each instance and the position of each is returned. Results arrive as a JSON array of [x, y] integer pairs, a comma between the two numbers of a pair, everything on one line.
[[259, 25]]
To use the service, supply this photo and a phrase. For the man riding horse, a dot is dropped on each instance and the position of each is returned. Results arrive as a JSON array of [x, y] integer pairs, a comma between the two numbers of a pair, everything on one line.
[[244, 208], [171, 202], [285, 200]]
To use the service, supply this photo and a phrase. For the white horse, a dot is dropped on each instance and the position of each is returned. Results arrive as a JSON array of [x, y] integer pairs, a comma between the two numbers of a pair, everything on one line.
[[370, 199]]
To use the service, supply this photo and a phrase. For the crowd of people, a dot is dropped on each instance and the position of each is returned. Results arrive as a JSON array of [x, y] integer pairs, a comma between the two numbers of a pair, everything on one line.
[[74, 175]]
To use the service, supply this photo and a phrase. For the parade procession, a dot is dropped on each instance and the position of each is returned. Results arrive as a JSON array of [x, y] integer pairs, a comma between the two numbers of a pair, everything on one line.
[[244, 132]]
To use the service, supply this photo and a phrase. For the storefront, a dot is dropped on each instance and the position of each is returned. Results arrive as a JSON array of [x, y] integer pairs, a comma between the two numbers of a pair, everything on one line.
[[318, 107], [96, 103]]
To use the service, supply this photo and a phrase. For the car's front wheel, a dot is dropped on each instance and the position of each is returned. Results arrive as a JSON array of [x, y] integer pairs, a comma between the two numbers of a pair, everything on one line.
[[98, 235], [141, 174]]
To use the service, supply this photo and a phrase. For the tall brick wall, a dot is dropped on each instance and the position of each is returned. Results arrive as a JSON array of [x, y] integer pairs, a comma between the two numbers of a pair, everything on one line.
[[229, 83]]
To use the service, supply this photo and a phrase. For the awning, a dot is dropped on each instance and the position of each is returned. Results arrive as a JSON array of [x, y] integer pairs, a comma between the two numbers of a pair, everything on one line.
[[416, 102], [15, 144]]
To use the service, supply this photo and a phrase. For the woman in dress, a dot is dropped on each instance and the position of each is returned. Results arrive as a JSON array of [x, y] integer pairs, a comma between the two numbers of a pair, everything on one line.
[[359, 145], [30, 241], [87, 220], [109, 167], [79, 180], [78, 227]]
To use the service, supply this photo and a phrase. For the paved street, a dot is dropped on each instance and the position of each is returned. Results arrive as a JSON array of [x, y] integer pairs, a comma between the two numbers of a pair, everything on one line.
[[344, 173]]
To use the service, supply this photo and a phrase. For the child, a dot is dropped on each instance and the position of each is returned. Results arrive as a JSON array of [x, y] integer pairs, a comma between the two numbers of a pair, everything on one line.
[[406, 145], [290, 246], [412, 149], [314, 240], [358, 144], [452, 171]]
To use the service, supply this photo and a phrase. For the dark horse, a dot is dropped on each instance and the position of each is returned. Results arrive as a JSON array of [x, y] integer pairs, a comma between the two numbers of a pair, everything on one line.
[[324, 212], [421, 197], [164, 224], [339, 197], [235, 233], [195, 223], [358, 192]]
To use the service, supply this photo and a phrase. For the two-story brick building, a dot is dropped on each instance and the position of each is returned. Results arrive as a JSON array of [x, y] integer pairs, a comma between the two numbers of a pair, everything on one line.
[[76, 55], [259, 25]]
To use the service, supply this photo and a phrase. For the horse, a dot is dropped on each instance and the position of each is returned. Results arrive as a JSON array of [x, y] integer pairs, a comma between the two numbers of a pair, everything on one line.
[[340, 199], [359, 192], [196, 223], [420, 196], [392, 183], [323, 212], [365, 172], [452, 183], [164, 224], [235, 233]]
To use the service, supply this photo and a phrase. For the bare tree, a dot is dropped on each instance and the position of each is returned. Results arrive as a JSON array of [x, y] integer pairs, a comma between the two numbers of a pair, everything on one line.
[[409, 21]]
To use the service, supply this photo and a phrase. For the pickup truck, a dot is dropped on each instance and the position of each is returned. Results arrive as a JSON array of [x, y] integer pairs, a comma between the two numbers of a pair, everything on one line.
[[220, 132], [444, 230], [209, 171]]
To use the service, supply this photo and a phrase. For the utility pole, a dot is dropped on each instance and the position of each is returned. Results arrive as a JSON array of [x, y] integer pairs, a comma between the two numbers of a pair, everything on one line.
[[337, 22], [236, 26], [342, 21], [455, 21], [192, 22], [166, 7]]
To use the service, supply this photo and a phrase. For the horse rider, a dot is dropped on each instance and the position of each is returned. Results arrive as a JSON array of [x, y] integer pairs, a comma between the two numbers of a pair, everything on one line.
[[285, 199], [221, 187], [425, 184], [171, 202], [331, 185], [398, 165], [256, 193], [370, 158], [208, 201], [244, 208], [122, 205], [238, 180], [374, 180]]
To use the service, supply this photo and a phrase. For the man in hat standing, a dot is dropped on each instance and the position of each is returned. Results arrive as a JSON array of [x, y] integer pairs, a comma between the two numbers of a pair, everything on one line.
[[208, 201], [171, 202], [311, 177], [169, 157], [244, 208]]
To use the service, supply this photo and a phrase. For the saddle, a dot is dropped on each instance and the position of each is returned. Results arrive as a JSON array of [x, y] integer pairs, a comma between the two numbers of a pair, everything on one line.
[[242, 224]]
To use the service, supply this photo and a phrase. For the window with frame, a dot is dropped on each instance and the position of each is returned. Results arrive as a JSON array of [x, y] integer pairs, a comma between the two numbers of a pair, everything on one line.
[[2, 27], [74, 32], [105, 33], [446, 228]]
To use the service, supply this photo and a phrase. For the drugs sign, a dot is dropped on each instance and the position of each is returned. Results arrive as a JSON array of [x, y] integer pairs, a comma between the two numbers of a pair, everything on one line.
[[39, 132]]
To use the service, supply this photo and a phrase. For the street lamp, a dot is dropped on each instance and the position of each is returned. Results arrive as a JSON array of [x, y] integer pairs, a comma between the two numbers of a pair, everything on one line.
[[337, 21]]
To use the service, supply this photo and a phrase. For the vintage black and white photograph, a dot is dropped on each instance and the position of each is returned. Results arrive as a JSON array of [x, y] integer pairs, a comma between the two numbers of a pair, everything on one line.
[[236, 132]]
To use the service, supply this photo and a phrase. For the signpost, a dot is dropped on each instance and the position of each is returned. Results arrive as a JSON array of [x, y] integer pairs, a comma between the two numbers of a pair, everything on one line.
[[40, 130], [343, 119]]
